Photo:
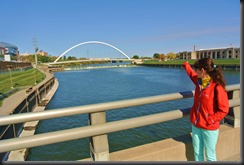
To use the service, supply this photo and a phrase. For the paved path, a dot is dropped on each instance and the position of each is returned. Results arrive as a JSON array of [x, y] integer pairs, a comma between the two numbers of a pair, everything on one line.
[[11, 102]]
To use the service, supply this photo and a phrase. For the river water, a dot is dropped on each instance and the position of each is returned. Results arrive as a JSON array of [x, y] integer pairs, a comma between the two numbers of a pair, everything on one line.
[[84, 87]]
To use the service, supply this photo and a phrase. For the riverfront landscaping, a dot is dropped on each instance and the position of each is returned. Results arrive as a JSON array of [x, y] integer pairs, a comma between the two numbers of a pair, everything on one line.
[[18, 79], [180, 62], [13, 80]]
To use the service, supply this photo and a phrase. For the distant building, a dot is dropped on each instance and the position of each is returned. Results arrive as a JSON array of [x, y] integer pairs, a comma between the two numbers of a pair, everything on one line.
[[214, 53], [25, 54], [42, 53], [8, 52], [2, 53]]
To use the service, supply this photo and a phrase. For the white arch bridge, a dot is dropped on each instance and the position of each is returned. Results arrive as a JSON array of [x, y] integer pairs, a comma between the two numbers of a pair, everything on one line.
[[92, 59]]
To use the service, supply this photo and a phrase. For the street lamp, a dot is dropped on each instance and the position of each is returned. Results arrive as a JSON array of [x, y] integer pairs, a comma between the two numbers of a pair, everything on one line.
[[35, 49], [36, 56], [35, 76], [9, 68]]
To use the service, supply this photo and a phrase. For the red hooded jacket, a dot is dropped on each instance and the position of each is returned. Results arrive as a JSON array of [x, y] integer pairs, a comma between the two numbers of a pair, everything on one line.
[[207, 112]]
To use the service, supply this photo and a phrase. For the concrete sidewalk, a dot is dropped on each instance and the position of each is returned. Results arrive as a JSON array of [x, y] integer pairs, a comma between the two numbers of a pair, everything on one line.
[[11, 102]]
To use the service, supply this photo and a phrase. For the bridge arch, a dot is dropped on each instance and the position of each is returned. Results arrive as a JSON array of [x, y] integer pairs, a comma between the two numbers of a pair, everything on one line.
[[90, 42]]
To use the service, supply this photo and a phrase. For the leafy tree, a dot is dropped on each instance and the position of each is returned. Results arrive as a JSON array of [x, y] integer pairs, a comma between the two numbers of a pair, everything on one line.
[[144, 57], [31, 58], [135, 57], [156, 55], [53, 58], [171, 55], [71, 58], [162, 56], [44, 59]]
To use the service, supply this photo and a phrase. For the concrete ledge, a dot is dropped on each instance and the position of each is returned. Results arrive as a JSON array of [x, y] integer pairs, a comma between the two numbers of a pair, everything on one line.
[[228, 142], [180, 148], [172, 149], [20, 155]]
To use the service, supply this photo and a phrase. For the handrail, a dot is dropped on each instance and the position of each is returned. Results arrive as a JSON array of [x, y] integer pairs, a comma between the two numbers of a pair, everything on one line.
[[99, 107], [61, 112], [100, 129], [94, 130]]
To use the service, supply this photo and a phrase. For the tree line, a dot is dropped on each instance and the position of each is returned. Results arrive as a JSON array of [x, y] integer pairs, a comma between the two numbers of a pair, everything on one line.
[[159, 56], [45, 59]]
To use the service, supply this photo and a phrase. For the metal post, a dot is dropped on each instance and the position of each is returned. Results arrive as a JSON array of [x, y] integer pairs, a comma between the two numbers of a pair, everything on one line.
[[236, 110], [9, 68], [99, 148], [35, 51], [35, 76], [233, 117]]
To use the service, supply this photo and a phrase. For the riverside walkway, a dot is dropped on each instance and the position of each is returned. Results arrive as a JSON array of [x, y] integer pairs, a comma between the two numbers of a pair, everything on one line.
[[19, 156], [8, 103]]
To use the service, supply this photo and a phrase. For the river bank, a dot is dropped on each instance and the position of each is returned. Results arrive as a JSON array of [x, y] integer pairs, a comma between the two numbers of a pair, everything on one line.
[[29, 128], [32, 100], [223, 66]]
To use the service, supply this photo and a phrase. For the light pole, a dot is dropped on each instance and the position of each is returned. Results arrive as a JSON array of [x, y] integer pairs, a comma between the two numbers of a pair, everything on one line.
[[35, 51], [11, 82], [34, 76], [35, 58]]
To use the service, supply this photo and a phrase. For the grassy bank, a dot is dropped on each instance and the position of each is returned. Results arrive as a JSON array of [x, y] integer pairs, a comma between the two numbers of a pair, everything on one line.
[[19, 78], [178, 62]]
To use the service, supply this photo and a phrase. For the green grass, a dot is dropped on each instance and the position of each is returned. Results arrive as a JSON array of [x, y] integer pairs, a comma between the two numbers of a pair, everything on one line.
[[20, 78], [216, 61]]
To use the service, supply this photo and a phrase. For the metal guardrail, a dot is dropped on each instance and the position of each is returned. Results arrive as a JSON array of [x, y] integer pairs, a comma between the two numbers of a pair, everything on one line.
[[99, 127]]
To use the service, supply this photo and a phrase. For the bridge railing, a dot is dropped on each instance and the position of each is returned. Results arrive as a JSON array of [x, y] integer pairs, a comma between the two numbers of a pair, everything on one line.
[[99, 128]]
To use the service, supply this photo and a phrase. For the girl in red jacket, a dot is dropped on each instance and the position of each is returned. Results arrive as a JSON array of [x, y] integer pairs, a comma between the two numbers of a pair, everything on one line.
[[210, 106]]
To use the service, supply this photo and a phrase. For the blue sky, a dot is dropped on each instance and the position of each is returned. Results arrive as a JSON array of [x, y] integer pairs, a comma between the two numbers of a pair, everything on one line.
[[137, 27]]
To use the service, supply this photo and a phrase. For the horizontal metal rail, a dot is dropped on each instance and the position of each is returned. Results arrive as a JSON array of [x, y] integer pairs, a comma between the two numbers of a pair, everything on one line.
[[95, 130], [55, 113]]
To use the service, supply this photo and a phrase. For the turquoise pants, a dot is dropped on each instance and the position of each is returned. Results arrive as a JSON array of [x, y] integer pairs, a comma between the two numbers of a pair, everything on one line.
[[204, 140]]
